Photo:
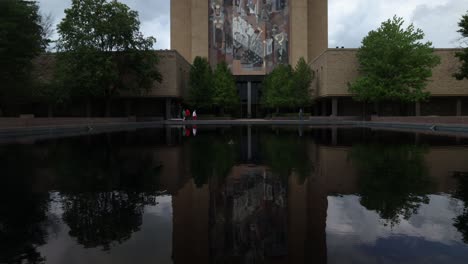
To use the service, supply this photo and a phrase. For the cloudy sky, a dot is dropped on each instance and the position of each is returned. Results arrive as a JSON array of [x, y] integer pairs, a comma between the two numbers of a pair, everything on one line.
[[349, 20]]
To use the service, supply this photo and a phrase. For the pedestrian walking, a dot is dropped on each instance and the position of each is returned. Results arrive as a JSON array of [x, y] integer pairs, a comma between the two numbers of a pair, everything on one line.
[[194, 115], [301, 112], [187, 114], [183, 114]]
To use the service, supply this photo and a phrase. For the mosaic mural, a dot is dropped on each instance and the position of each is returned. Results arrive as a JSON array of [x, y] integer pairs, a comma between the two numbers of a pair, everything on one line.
[[250, 35], [249, 217]]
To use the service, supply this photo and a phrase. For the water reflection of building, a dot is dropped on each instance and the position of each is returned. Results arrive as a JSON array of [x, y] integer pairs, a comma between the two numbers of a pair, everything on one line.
[[249, 217], [214, 223], [238, 215]]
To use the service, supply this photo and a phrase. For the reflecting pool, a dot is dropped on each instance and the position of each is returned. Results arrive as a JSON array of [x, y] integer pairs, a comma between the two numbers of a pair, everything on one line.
[[248, 194]]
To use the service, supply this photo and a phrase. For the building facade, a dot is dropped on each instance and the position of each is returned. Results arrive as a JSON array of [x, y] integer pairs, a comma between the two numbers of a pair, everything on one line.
[[336, 68], [252, 36], [163, 100]]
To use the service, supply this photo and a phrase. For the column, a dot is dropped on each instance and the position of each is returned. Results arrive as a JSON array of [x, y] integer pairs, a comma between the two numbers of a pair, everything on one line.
[[249, 99], [249, 142], [317, 109], [459, 107], [324, 107], [128, 107], [168, 108], [417, 109], [334, 135], [334, 106], [168, 135]]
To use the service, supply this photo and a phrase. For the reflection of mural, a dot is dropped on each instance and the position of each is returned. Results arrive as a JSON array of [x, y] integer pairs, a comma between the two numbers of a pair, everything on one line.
[[250, 216], [251, 35]]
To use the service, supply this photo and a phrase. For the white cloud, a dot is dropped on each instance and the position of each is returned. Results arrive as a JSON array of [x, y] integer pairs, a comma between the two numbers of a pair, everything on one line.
[[349, 20], [154, 16]]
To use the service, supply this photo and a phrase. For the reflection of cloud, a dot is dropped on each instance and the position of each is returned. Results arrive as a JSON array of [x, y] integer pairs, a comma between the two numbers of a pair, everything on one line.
[[152, 244], [163, 208], [351, 227], [432, 222]]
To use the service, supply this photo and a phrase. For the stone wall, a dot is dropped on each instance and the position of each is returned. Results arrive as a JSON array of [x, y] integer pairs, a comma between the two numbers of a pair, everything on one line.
[[174, 68], [335, 68], [189, 28], [175, 71], [160, 99], [308, 28], [48, 122]]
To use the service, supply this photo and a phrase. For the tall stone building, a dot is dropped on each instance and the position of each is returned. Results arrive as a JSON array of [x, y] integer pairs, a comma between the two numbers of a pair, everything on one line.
[[252, 36]]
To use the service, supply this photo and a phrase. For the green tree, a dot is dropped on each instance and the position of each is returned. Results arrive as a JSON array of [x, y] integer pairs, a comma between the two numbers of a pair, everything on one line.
[[300, 83], [21, 40], [276, 88], [225, 94], [103, 53], [201, 84], [463, 56], [394, 63]]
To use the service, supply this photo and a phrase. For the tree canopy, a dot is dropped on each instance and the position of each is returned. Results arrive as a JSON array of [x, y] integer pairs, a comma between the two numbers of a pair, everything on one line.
[[21, 39], [276, 87], [288, 87], [463, 56], [102, 51], [201, 84], [300, 83], [395, 64], [225, 94]]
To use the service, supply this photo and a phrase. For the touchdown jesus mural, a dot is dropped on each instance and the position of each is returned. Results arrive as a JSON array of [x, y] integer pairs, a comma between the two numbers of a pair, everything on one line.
[[250, 35]]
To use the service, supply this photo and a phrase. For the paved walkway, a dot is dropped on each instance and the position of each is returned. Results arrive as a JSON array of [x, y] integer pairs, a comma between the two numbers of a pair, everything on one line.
[[84, 129]]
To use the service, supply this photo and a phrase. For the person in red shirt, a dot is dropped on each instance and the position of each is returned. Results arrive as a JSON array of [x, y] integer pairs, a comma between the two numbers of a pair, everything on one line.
[[187, 113]]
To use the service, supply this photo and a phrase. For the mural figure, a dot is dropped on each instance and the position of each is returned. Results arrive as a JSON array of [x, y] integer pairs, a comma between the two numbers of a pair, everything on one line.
[[250, 35]]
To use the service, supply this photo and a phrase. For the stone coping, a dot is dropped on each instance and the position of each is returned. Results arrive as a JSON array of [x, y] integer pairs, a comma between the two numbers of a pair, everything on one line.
[[6, 134]]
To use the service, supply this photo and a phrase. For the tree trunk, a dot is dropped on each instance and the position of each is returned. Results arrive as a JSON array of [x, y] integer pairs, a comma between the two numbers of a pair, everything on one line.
[[277, 110], [50, 110], [108, 107], [376, 108], [2, 109], [128, 108], [364, 110], [88, 107]]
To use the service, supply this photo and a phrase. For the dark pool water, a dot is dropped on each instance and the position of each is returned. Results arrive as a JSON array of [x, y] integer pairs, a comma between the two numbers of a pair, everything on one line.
[[235, 195]]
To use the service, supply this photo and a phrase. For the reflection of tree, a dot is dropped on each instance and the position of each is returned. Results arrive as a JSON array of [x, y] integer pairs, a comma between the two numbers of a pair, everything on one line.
[[211, 156], [105, 191], [285, 153], [461, 222], [102, 218], [393, 179], [23, 215]]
